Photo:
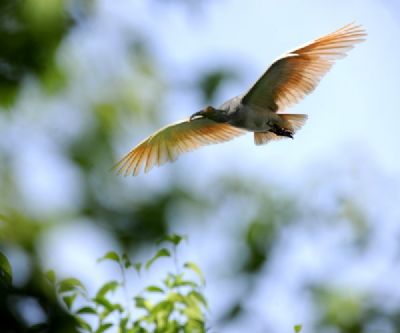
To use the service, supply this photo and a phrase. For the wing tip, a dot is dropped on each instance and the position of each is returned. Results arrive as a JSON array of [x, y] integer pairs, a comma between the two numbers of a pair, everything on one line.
[[353, 29]]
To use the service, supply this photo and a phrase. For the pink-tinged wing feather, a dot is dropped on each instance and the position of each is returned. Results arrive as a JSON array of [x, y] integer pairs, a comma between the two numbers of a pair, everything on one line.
[[297, 73], [171, 141]]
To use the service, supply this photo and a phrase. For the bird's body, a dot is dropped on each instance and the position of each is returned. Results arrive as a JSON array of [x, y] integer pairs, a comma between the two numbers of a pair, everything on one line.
[[260, 110], [251, 118]]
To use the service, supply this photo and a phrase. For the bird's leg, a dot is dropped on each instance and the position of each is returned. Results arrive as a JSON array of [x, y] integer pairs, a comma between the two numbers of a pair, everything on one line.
[[281, 131]]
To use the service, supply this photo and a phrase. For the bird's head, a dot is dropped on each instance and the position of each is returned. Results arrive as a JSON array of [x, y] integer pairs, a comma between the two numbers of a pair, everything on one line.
[[210, 113], [207, 112]]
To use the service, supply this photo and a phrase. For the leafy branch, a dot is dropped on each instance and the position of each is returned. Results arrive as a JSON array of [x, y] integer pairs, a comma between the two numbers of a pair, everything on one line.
[[176, 304]]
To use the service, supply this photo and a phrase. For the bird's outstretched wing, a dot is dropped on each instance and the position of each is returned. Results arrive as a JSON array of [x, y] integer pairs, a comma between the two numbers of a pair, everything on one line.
[[169, 142], [298, 72]]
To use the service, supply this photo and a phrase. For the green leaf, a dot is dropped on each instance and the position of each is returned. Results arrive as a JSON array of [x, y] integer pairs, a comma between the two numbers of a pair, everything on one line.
[[169, 280], [104, 302], [155, 289], [86, 310], [192, 266], [163, 308], [118, 307], [298, 328], [5, 271], [104, 327], [70, 284], [126, 261], [198, 297], [185, 283], [142, 303], [193, 313], [137, 266], [83, 324], [51, 276], [137, 328], [109, 308], [173, 326], [194, 326], [178, 281], [111, 255], [109, 286], [160, 253], [176, 298], [69, 300], [175, 239], [123, 324]]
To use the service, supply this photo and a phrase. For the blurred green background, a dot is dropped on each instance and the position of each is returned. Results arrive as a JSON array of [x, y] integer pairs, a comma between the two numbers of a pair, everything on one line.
[[304, 231]]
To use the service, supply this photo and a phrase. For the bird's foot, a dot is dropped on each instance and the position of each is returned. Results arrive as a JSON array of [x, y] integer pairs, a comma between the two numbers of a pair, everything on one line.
[[280, 131]]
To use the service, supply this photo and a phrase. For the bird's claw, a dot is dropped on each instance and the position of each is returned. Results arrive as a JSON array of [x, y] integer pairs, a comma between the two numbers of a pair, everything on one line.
[[280, 131]]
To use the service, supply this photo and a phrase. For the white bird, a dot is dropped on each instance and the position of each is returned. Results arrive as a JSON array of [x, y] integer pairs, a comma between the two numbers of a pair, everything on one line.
[[290, 78]]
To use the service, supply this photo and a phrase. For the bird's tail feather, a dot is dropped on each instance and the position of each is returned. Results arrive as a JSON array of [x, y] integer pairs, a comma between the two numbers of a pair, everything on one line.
[[293, 122], [261, 138]]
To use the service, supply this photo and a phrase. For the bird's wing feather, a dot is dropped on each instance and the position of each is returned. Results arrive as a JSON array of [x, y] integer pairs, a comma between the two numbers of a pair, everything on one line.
[[169, 142], [297, 73]]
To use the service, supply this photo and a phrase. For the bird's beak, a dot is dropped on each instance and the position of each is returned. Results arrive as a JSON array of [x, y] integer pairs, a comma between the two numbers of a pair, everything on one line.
[[199, 114]]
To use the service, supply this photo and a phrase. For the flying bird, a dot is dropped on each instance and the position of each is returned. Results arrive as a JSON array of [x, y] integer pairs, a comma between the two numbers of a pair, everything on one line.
[[260, 110]]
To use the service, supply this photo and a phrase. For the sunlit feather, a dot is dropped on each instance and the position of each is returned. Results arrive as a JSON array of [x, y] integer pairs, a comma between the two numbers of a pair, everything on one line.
[[169, 142], [296, 74]]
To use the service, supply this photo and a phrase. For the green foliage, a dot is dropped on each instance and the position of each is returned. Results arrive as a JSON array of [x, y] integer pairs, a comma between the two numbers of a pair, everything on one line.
[[38, 291], [212, 80], [173, 239], [196, 269], [177, 306], [160, 253], [298, 328], [110, 256], [30, 32], [5, 272], [344, 309]]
